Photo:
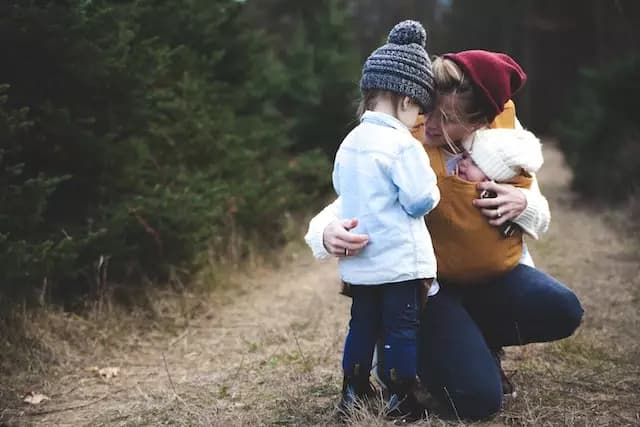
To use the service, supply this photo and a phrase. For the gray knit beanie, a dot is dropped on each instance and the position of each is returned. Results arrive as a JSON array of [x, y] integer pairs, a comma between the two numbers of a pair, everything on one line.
[[402, 65]]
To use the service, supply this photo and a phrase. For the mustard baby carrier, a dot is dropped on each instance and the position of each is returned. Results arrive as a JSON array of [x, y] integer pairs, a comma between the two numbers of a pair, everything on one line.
[[468, 249]]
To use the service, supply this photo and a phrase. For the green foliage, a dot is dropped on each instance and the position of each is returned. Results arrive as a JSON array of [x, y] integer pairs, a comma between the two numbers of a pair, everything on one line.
[[600, 134], [24, 252], [316, 45], [491, 25], [143, 133]]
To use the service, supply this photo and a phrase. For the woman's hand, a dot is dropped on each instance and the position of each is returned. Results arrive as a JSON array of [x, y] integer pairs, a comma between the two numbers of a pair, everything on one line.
[[507, 205], [339, 241]]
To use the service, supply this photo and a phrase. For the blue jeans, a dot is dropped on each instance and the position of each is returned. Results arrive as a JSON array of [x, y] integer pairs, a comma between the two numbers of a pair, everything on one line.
[[393, 309], [461, 326]]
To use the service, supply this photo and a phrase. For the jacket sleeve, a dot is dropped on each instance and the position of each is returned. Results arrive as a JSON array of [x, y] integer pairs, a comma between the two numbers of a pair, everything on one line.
[[417, 184], [536, 217], [335, 175], [316, 228]]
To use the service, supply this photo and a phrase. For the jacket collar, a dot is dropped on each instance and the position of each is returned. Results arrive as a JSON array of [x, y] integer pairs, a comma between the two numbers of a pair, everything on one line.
[[382, 119]]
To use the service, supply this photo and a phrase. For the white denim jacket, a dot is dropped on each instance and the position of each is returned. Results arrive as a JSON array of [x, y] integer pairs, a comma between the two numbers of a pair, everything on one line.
[[383, 177]]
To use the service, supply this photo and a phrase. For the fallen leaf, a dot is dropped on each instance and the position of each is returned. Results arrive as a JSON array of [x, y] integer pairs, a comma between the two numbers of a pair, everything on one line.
[[108, 373], [34, 398]]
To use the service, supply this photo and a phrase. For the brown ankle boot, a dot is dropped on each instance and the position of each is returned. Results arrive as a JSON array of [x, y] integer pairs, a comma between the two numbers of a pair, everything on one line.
[[355, 390], [405, 404]]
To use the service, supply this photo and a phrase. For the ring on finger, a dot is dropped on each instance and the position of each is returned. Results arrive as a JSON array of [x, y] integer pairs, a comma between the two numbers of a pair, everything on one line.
[[346, 252], [498, 214]]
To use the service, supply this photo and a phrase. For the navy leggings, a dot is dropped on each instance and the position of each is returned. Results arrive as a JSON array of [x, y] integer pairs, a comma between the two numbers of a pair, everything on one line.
[[393, 309], [460, 327]]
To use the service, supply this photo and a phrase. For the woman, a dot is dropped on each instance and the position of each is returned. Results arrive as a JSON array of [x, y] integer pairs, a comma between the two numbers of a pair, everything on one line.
[[464, 326]]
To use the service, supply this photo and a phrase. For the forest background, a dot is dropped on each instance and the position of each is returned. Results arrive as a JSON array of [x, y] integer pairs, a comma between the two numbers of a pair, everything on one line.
[[141, 140]]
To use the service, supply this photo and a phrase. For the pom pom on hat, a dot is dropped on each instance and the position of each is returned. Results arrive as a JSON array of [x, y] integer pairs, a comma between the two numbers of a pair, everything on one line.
[[502, 154], [497, 75], [407, 32], [402, 65]]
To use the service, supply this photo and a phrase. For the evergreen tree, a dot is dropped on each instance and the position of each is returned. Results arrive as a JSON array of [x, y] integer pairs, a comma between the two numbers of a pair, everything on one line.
[[135, 135], [316, 43]]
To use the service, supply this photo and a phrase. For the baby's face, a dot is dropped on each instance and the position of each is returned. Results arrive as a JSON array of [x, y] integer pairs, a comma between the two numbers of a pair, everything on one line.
[[469, 171]]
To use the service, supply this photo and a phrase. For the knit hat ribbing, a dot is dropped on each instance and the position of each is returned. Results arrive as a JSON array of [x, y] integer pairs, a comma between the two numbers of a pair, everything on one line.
[[497, 75], [402, 65], [502, 154]]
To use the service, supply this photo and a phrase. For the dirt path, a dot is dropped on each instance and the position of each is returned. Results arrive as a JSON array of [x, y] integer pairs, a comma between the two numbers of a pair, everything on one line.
[[271, 355]]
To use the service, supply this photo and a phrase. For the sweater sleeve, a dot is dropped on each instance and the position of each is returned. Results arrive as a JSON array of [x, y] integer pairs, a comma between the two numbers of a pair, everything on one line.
[[417, 184], [316, 228], [536, 217]]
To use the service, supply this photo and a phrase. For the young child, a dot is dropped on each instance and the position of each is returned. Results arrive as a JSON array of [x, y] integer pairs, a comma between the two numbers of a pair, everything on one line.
[[502, 155], [383, 177]]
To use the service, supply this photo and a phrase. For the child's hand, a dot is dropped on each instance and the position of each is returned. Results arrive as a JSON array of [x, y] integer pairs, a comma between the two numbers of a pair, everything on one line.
[[339, 241], [508, 204]]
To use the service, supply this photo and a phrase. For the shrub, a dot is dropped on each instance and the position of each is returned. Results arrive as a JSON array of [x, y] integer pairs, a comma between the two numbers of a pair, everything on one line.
[[600, 134], [135, 135]]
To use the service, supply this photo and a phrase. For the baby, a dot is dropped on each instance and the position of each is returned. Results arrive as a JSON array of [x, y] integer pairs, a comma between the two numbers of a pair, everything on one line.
[[501, 155]]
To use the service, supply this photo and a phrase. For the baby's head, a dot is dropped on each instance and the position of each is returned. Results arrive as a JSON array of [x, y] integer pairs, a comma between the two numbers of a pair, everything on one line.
[[499, 155], [468, 170]]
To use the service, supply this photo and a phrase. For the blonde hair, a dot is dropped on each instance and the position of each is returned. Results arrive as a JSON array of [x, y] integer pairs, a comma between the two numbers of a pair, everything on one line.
[[371, 97], [469, 109]]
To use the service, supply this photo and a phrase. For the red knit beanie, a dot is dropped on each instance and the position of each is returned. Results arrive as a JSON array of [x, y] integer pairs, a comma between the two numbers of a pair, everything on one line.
[[497, 75]]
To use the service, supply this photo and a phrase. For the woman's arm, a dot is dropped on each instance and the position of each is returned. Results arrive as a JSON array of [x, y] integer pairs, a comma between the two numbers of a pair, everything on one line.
[[536, 216], [329, 235], [531, 213], [526, 207]]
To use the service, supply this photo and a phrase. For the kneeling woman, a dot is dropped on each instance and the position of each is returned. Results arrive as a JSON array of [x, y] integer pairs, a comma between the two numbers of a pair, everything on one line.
[[466, 324]]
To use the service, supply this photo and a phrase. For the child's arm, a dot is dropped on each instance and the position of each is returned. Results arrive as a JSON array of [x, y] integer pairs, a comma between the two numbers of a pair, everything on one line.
[[417, 183]]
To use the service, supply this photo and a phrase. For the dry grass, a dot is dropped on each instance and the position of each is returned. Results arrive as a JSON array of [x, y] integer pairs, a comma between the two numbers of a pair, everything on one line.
[[266, 349]]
